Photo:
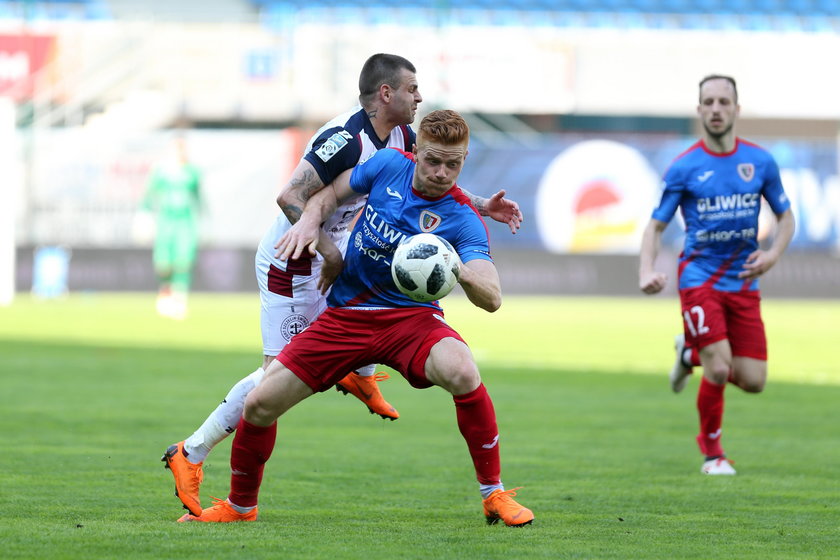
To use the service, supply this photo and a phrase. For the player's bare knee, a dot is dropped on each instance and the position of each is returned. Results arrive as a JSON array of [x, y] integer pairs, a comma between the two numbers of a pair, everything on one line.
[[458, 378], [256, 412], [752, 386], [717, 373], [464, 378], [750, 375]]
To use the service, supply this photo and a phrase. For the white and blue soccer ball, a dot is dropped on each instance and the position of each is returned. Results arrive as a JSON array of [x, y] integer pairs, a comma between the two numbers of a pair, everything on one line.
[[424, 267]]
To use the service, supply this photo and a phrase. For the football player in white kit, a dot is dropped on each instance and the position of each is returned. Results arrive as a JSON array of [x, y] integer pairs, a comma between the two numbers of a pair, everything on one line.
[[290, 292]]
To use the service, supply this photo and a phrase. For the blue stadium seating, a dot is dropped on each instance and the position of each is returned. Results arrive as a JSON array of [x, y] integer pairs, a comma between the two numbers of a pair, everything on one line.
[[55, 10], [770, 7], [803, 15]]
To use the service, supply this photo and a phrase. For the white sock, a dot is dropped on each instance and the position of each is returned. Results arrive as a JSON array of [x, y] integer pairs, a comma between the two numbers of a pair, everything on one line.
[[366, 371], [223, 421], [487, 489], [240, 509]]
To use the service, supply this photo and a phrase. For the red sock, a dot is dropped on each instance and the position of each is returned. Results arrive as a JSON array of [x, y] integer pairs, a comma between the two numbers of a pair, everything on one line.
[[710, 408], [695, 356], [252, 446], [477, 422]]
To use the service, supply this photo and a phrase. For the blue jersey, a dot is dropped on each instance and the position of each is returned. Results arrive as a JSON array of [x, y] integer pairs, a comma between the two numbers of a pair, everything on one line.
[[720, 198], [394, 211]]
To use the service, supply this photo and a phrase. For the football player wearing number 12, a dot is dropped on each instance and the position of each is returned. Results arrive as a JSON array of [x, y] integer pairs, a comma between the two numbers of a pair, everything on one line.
[[718, 183], [370, 321]]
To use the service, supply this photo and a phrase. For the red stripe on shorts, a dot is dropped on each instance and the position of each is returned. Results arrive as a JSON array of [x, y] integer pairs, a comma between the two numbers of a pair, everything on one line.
[[280, 281]]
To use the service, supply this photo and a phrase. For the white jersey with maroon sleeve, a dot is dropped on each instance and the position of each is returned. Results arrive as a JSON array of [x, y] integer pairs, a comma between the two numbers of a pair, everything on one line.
[[288, 293]]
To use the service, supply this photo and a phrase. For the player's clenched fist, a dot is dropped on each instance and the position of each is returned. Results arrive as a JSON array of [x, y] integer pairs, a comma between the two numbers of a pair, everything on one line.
[[652, 282]]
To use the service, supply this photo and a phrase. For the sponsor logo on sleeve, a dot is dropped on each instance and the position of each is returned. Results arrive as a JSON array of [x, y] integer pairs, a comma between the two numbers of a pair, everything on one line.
[[333, 144]]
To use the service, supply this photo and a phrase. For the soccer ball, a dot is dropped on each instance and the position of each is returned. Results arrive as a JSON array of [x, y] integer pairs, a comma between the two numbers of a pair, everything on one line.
[[424, 267]]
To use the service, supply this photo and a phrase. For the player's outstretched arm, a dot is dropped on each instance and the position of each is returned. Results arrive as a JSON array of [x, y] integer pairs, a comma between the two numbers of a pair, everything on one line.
[[759, 262], [480, 281], [651, 281], [499, 208]]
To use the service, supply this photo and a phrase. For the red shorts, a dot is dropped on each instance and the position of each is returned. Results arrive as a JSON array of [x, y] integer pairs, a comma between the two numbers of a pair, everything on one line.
[[342, 340], [712, 315]]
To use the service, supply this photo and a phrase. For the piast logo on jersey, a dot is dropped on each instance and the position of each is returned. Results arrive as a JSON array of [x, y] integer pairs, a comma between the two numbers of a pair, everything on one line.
[[429, 221], [746, 171]]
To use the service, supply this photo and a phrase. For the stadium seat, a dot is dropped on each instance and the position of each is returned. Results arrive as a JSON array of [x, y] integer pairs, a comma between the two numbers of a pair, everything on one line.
[[768, 7], [650, 6], [579, 5], [614, 6], [708, 6], [828, 7], [544, 6], [799, 7]]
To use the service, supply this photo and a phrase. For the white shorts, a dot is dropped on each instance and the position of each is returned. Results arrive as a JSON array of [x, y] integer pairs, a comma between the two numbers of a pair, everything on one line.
[[283, 315], [289, 297]]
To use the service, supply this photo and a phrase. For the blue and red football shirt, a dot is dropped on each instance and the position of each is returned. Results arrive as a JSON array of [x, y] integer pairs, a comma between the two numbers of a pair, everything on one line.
[[394, 211], [720, 199]]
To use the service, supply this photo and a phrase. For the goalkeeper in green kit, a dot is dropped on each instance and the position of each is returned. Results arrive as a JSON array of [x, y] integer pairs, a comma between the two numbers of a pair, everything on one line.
[[173, 196]]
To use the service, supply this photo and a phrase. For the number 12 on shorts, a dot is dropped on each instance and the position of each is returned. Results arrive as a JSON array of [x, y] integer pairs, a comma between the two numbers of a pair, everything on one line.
[[697, 327]]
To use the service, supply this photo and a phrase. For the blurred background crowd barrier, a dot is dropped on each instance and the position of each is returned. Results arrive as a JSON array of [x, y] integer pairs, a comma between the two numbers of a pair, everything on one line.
[[576, 108]]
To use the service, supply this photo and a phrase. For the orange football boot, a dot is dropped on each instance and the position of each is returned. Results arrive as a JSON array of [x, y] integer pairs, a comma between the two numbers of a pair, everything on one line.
[[220, 512], [188, 476], [367, 391], [501, 505]]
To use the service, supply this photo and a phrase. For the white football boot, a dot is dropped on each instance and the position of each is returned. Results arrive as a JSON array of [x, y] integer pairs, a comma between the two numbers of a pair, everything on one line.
[[679, 372], [721, 465]]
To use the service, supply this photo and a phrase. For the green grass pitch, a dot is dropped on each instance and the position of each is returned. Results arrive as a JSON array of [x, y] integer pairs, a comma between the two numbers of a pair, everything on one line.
[[94, 387]]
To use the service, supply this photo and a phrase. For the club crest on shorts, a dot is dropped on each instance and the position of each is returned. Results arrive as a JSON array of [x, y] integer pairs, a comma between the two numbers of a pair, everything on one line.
[[746, 171], [429, 221], [292, 325]]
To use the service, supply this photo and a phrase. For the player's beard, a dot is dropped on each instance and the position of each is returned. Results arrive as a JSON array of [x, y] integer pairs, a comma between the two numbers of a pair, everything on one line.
[[717, 135]]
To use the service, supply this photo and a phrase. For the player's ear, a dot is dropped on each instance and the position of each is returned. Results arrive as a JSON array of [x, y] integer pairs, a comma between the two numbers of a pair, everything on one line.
[[385, 92]]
